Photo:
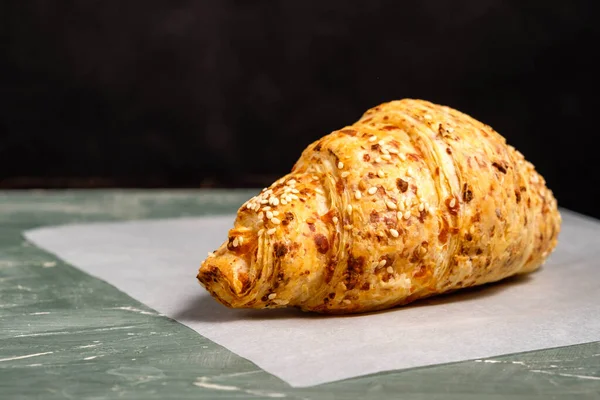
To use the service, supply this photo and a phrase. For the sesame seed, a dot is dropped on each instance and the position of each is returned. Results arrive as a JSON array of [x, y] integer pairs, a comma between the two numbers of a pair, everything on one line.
[[378, 160], [407, 214], [261, 215], [372, 138], [266, 208], [372, 190], [291, 182], [390, 270], [452, 202], [345, 174], [275, 213], [340, 165], [427, 116], [260, 232], [385, 151], [399, 214], [381, 143], [409, 171], [275, 220], [430, 210], [310, 220], [392, 150], [275, 201], [408, 202], [295, 191], [240, 240], [375, 264], [349, 208], [423, 250], [391, 205], [386, 157], [346, 301], [347, 227], [315, 178], [235, 242], [271, 231], [421, 207], [248, 205], [401, 206], [357, 195], [335, 220], [294, 197], [272, 296], [472, 229], [269, 214], [382, 263], [402, 156], [380, 174], [284, 201], [211, 254], [264, 201], [264, 190], [394, 233]]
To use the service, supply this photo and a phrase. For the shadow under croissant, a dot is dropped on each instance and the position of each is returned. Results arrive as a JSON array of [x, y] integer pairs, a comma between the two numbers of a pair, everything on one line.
[[206, 309]]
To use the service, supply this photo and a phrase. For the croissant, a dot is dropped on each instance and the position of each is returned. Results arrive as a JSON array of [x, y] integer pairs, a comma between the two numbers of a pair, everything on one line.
[[413, 200]]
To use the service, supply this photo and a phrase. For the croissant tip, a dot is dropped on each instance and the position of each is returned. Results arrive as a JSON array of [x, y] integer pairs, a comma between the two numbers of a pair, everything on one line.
[[221, 276], [206, 275]]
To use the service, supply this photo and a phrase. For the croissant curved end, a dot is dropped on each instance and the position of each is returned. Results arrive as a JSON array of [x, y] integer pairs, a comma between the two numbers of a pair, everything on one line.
[[226, 272], [263, 262]]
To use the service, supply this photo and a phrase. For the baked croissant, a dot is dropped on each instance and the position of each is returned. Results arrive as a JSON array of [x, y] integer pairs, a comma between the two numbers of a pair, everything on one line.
[[413, 200]]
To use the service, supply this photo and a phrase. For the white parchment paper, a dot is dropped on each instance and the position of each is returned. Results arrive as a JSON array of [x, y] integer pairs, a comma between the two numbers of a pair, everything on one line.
[[156, 262]]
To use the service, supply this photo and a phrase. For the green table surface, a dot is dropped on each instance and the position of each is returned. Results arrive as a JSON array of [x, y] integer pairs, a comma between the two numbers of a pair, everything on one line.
[[67, 335]]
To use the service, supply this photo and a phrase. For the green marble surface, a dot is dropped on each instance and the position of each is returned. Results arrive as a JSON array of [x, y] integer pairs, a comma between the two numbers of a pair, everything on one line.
[[66, 335]]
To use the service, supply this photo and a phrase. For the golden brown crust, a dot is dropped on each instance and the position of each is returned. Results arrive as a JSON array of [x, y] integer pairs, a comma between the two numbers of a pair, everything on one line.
[[413, 200]]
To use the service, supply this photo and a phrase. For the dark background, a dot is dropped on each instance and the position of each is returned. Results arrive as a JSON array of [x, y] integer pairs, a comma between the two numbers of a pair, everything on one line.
[[228, 93]]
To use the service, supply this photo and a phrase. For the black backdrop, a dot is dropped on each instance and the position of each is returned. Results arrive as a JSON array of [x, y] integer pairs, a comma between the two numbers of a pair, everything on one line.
[[227, 93]]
